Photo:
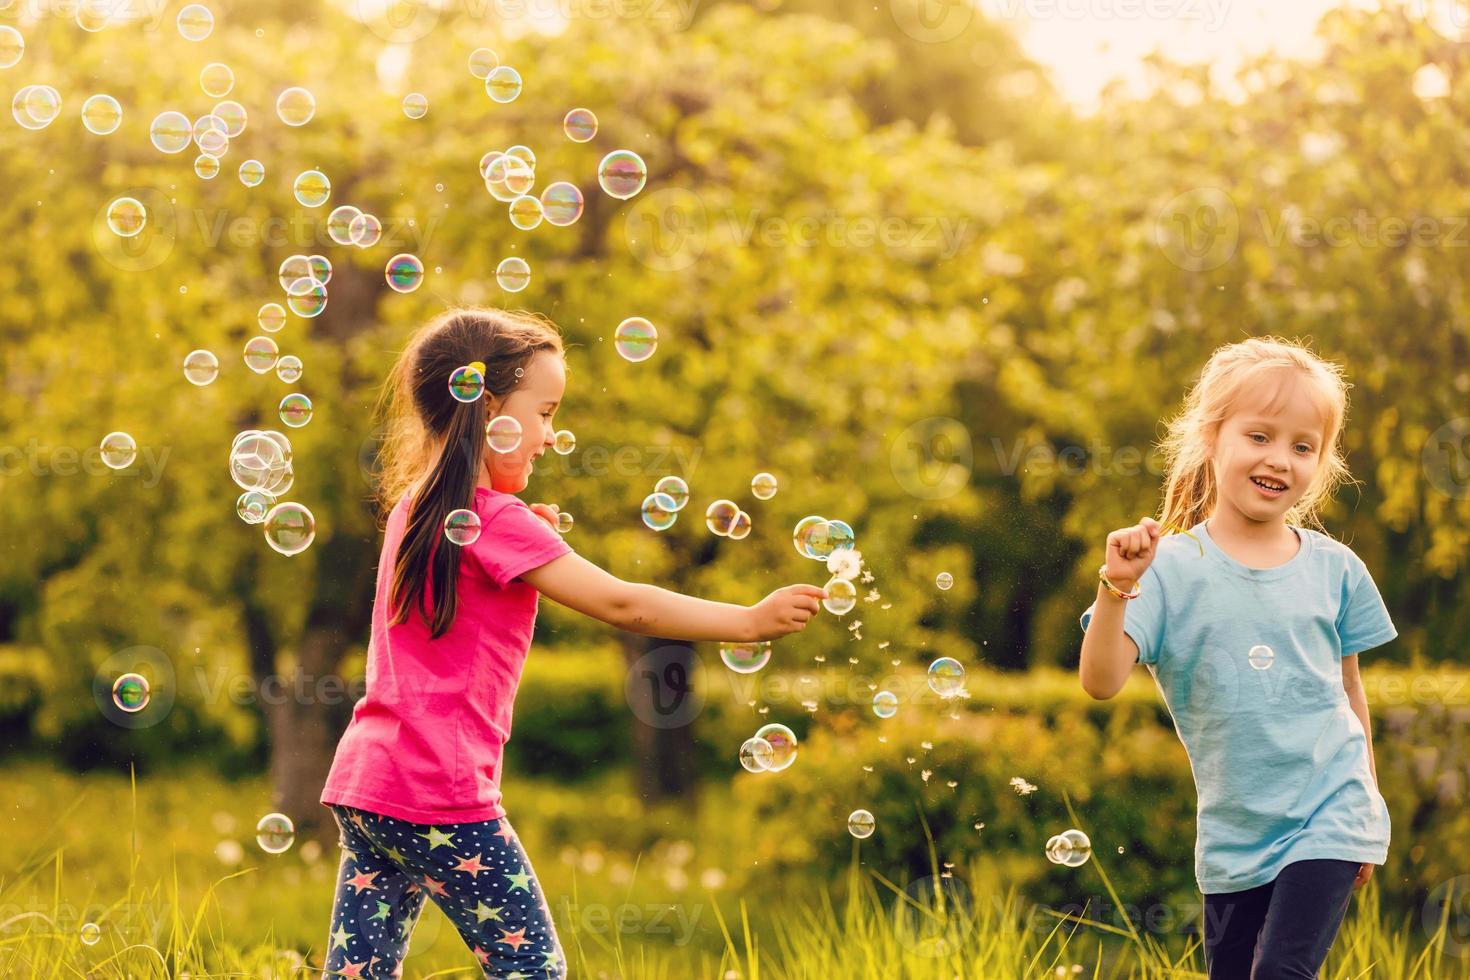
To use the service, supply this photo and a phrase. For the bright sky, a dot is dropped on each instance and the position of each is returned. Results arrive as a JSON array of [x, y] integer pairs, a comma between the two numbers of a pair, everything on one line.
[[1085, 43]]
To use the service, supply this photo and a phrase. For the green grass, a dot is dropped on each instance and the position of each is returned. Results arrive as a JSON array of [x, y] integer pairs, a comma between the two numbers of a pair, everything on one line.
[[169, 870]]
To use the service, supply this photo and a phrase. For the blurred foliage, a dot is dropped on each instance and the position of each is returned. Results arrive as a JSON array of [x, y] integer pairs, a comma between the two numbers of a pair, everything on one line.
[[847, 231]]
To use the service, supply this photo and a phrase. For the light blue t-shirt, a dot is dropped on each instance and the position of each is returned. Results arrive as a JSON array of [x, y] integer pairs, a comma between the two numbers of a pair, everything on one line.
[[1280, 760]]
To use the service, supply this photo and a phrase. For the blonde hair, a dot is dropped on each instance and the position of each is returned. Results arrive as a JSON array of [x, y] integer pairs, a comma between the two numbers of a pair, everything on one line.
[[1233, 370]]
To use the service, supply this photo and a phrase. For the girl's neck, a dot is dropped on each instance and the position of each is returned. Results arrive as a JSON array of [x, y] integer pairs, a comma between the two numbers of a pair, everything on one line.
[[1259, 544]]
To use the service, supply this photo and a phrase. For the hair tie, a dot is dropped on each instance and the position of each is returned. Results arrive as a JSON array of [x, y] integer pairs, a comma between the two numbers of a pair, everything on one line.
[[478, 366]]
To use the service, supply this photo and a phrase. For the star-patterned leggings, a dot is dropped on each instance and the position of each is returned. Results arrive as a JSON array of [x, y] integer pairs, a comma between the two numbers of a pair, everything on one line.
[[478, 873]]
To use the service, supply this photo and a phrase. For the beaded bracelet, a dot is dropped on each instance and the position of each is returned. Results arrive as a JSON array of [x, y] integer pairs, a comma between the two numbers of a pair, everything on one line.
[[1102, 576]]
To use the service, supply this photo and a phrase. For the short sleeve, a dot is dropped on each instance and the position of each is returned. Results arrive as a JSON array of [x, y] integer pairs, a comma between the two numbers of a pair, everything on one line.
[[515, 541], [1362, 622], [1143, 618]]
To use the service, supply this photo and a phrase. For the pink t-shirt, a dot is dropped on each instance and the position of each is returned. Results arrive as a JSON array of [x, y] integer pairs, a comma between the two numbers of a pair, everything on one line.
[[425, 741]]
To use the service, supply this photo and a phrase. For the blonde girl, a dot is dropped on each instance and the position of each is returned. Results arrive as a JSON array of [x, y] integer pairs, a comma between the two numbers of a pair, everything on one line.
[[1251, 626]]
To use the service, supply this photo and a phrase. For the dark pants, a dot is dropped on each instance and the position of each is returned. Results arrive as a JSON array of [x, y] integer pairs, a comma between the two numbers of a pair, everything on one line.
[[1282, 929], [478, 873]]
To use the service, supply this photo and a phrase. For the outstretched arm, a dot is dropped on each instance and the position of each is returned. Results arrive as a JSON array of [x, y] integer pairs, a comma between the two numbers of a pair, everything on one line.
[[576, 583]]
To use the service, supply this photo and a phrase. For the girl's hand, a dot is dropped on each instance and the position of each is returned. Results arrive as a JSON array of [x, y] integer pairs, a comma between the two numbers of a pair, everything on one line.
[[1130, 551], [1365, 872], [547, 512], [785, 611]]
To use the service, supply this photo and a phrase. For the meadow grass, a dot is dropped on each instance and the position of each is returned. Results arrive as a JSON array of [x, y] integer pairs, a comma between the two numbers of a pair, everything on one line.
[[168, 870]]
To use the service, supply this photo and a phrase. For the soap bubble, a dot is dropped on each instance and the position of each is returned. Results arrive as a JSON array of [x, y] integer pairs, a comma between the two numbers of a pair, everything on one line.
[[213, 143], [462, 527], [944, 581], [339, 224], [885, 704], [252, 506], [275, 833], [720, 515], [513, 274], [216, 79], [295, 106], [746, 658], [1071, 848], [312, 188], [260, 461], [580, 125], [195, 22], [252, 172], [503, 84], [482, 62], [101, 114], [232, 114], [841, 535], [271, 317], [118, 450], [507, 177], [526, 212], [126, 216], [635, 339], [288, 369], [289, 528], [763, 486], [36, 106], [206, 166], [561, 203], [12, 46], [93, 15], [321, 268], [622, 174], [740, 527], [756, 754], [1261, 657], [676, 489], [564, 521], [292, 268], [295, 410], [404, 272], [811, 537], [564, 441], [415, 105], [860, 824], [524, 153], [841, 596], [365, 230], [201, 367], [308, 297], [946, 677], [130, 693], [659, 511], [466, 384], [171, 132], [503, 432], [91, 932], [260, 354], [783, 745]]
